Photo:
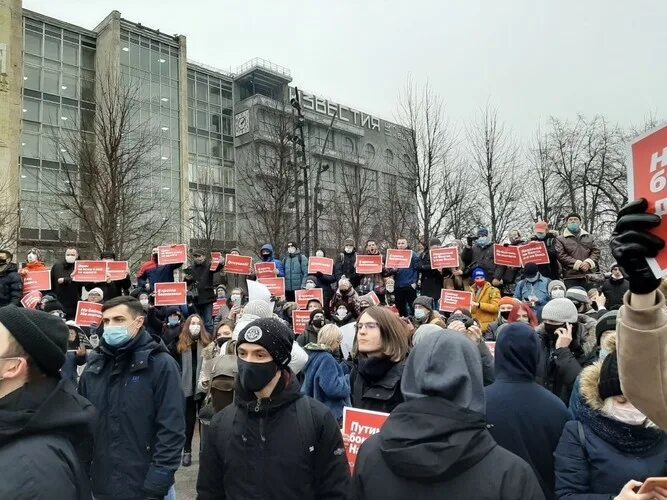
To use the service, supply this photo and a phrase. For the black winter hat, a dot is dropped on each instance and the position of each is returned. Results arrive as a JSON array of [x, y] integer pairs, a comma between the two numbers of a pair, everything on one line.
[[609, 384], [273, 335], [314, 312], [425, 301], [530, 269], [42, 335], [52, 305], [606, 322], [573, 214]]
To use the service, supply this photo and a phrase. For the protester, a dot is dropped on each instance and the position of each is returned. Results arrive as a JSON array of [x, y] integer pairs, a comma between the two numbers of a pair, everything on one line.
[[96, 295], [389, 299], [266, 254], [296, 270], [556, 289], [505, 306], [33, 263], [615, 287], [135, 386], [345, 296], [431, 279], [605, 335], [406, 280], [309, 336], [111, 289], [425, 314], [46, 428], [191, 342], [523, 313], [581, 299], [231, 280], [479, 253], [379, 357], [436, 444], [325, 379], [200, 279], [533, 289], [578, 252], [524, 417], [76, 354], [542, 233], [505, 277], [232, 308], [587, 317], [221, 336], [345, 265], [325, 281], [343, 316], [372, 282], [151, 273], [240, 460], [67, 290], [11, 284], [485, 301]]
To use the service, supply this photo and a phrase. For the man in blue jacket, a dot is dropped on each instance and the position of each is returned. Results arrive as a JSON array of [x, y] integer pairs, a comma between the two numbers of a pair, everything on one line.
[[266, 253], [151, 272], [296, 270], [135, 386], [406, 282]]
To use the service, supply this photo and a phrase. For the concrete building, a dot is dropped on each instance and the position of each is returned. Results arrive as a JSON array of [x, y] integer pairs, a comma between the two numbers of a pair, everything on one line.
[[208, 122]]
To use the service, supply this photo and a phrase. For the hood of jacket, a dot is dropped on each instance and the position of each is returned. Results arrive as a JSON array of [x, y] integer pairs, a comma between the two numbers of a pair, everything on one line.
[[10, 267], [46, 406], [268, 247], [445, 366], [433, 439], [517, 353]]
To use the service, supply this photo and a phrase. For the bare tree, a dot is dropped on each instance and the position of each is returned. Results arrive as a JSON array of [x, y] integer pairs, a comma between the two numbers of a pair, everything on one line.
[[9, 218], [355, 205], [206, 222]]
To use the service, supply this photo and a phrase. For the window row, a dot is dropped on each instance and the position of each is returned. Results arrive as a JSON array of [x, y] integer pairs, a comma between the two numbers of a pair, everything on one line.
[[159, 62], [210, 175], [56, 49], [214, 122], [202, 145], [212, 91], [57, 83]]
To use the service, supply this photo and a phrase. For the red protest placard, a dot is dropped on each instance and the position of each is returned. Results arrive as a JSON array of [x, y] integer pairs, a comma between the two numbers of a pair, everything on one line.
[[172, 254], [492, 347], [506, 256], [647, 178], [265, 269], [359, 425], [216, 259], [275, 285], [300, 321], [368, 264], [374, 298], [217, 306], [32, 299], [238, 264], [91, 271], [36, 280], [117, 269], [171, 294], [444, 257], [322, 265], [88, 313], [398, 259], [304, 296], [535, 251], [451, 300]]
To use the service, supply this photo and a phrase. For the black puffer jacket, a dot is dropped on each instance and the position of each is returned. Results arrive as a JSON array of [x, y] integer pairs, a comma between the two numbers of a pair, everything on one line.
[[68, 292], [345, 266], [383, 394], [46, 442], [614, 290], [201, 277], [11, 285], [552, 269]]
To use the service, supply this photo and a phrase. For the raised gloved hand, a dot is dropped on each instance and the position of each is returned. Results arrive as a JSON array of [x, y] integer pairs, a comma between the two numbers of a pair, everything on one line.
[[632, 243]]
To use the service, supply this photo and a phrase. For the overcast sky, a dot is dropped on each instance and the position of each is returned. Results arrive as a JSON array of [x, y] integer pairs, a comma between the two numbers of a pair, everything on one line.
[[529, 58]]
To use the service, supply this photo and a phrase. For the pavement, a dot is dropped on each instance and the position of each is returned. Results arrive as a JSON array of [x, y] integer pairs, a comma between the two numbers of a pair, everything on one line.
[[186, 477]]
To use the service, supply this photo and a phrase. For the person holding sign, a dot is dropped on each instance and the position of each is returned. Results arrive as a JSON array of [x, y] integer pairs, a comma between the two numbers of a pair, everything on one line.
[[296, 270], [504, 277], [345, 266], [266, 253], [533, 289], [406, 280], [479, 253], [542, 234], [67, 290], [271, 418], [11, 284], [324, 281], [431, 279], [578, 253], [486, 299], [34, 262], [151, 272], [111, 288], [436, 444], [200, 279]]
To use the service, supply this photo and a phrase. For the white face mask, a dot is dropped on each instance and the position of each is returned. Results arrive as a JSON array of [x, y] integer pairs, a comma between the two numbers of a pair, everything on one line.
[[32, 257], [319, 254], [341, 313], [70, 259], [390, 288], [144, 303], [557, 293], [310, 285], [291, 250], [625, 412], [195, 329], [349, 249]]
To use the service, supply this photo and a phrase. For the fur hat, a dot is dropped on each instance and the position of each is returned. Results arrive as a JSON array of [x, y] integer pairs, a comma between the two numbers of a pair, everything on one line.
[[573, 214]]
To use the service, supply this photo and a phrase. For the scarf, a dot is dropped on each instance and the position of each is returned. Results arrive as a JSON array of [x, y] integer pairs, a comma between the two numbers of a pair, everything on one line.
[[374, 368]]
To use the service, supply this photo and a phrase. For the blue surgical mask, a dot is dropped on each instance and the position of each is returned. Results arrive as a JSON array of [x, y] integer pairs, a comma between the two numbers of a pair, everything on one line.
[[116, 336], [483, 241], [420, 313], [173, 322], [573, 228], [540, 236]]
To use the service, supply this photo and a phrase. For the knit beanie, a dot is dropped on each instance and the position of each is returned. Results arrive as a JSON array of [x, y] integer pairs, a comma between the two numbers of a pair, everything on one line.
[[606, 322], [425, 301], [52, 305], [577, 294], [314, 312], [312, 278], [348, 242], [560, 311], [434, 242], [273, 335], [530, 269], [97, 291], [573, 214], [259, 308], [609, 384], [42, 335], [508, 301], [482, 232], [478, 272], [555, 283]]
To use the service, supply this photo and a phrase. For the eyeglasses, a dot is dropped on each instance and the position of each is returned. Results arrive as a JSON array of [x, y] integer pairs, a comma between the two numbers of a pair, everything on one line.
[[371, 325]]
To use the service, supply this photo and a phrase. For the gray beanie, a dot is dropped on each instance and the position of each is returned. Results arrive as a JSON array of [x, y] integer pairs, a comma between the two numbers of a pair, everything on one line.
[[259, 308], [560, 311], [577, 294], [425, 301], [555, 283]]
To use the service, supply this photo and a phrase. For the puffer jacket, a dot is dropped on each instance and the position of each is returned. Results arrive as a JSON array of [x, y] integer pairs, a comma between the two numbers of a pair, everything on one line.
[[271, 258], [326, 380], [11, 285], [572, 250], [552, 269], [296, 269], [489, 304], [477, 256]]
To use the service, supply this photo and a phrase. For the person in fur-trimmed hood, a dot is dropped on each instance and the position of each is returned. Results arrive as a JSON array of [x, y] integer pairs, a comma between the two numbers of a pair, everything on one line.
[[610, 445]]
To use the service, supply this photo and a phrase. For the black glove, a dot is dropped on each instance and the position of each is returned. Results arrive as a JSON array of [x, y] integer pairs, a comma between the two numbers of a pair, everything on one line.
[[319, 274], [632, 243]]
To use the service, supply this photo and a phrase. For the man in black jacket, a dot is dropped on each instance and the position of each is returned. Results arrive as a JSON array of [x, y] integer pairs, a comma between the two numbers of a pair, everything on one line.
[[614, 288], [273, 442], [200, 278], [136, 386], [46, 428], [346, 262], [11, 284], [67, 291], [111, 289], [542, 233]]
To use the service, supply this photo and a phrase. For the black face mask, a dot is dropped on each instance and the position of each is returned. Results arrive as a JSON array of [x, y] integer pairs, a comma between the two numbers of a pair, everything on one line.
[[505, 314], [551, 329], [3, 262], [254, 377], [318, 323]]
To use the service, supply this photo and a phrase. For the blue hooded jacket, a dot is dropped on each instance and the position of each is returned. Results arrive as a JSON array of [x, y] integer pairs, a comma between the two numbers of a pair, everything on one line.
[[271, 258], [326, 381], [525, 418], [408, 276]]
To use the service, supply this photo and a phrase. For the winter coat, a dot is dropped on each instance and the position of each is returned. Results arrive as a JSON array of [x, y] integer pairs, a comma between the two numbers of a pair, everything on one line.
[[408, 276], [526, 288], [572, 250], [296, 270], [279, 265], [350, 301], [609, 454], [113, 289], [190, 364], [587, 338], [383, 395], [477, 256], [524, 417], [325, 380], [488, 371], [509, 275], [642, 356], [614, 290], [431, 279], [151, 273], [324, 281], [11, 285], [201, 278], [489, 304], [69, 292], [46, 442], [309, 336], [345, 266], [260, 455], [552, 269], [141, 429]]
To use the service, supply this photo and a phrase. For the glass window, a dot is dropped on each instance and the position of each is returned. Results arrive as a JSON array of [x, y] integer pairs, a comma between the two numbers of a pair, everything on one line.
[[191, 88], [369, 151], [30, 145], [87, 58], [215, 123], [52, 48], [214, 94], [87, 119], [69, 117], [31, 78], [145, 58], [228, 152], [68, 86], [51, 115], [33, 43], [348, 145], [202, 145], [226, 125], [70, 53], [30, 178], [216, 148], [202, 120], [88, 90], [173, 66], [31, 109], [51, 84], [202, 91], [191, 116]]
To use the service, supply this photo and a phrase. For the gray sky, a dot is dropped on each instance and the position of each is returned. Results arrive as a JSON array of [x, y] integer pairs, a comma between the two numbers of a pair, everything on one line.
[[529, 58]]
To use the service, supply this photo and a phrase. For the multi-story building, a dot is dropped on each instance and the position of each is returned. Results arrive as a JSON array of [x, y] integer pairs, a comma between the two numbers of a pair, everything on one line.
[[209, 123]]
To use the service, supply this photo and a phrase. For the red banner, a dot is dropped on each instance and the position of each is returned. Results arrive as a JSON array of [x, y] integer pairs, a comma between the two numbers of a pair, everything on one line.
[[398, 259], [172, 254], [36, 280], [91, 271], [265, 269], [117, 269], [217, 306], [368, 264], [451, 300], [358, 426], [216, 259], [647, 178], [305, 296], [32, 299], [238, 264], [374, 298], [275, 285], [444, 257], [88, 313], [300, 321], [322, 265], [171, 294], [506, 256], [492, 347], [535, 251]]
